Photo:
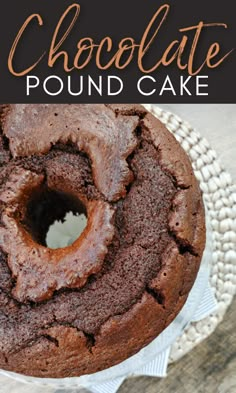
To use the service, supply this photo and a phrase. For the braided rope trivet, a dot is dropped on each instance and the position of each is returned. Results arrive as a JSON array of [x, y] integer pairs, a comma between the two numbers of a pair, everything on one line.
[[219, 194]]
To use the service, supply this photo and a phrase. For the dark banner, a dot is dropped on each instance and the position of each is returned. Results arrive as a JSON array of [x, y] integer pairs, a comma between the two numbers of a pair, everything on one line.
[[117, 51]]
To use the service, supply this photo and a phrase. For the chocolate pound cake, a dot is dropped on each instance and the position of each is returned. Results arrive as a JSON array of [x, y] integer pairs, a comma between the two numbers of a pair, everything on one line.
[[83, 308]]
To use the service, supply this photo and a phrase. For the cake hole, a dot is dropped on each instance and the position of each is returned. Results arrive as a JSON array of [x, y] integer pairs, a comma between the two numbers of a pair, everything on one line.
[[55, 219], [64, 232]]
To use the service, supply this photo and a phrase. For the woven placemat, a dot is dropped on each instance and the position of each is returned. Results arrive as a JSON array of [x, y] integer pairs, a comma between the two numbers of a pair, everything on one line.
[[219, 195]]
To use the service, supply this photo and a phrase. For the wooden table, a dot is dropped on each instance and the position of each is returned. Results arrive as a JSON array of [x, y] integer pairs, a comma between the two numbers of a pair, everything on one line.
[[208, 368], [211, 366]]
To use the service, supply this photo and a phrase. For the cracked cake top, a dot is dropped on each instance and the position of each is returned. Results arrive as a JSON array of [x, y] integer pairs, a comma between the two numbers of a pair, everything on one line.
[[88, 306]]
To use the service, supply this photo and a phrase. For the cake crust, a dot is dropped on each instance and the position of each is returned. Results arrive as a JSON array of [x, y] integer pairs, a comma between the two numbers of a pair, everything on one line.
[[87, 307]]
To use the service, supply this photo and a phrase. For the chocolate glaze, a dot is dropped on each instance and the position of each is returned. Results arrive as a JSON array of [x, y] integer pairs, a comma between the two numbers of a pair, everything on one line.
[[86, 307]]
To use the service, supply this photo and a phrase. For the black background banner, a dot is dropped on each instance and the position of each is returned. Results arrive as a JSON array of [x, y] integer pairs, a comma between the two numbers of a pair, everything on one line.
[[116, 19]]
